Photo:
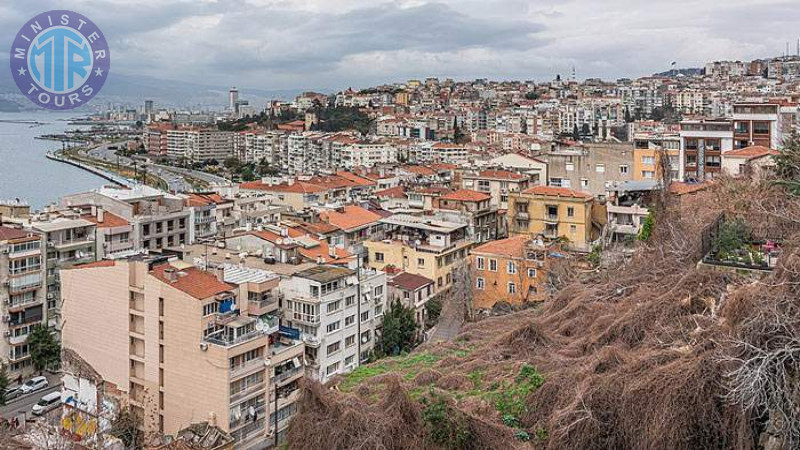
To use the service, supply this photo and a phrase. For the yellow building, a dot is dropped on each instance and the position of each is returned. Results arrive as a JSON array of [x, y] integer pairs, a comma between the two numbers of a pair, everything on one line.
[[422, 246], [511, 270], [554, 213], [646, 162]]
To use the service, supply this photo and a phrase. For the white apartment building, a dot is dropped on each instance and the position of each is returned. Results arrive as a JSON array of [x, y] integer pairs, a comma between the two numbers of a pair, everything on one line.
[[367, 155], [200, 145], [337, 313]]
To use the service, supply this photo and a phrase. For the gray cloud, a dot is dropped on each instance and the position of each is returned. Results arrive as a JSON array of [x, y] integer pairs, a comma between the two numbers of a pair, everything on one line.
[[338, 43]]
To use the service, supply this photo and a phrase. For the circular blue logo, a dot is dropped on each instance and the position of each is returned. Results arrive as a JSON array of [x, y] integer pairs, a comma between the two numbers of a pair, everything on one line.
[[60, 60]]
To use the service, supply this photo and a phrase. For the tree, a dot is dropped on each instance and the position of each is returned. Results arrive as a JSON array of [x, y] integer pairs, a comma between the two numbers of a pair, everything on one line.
[[4, 382], [399, 332], [127, 426], [787, 162], [44, 348]]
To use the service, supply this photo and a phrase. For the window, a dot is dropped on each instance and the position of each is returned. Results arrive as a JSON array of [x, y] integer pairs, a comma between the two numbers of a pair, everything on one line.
[[480, 263], [378, 291], [480, 283], [531, 273], [210, 308], [349, 320], [623, 169], [332, 369], [648, 174], [573, 229], [350, 341], [366, 336], [334, 306], [365, 316], [349, 360], [378, 310], [511, 267], [333, 348], [512, 288], [566, 183], [378, 257], [570, 167], [421, 262], [333, 326], [584, 182], [600, 168], [493, 265], [648, 160], [350, 301], [570, 211]]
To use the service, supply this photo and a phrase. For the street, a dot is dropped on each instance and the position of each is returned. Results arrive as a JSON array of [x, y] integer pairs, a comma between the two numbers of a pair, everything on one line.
[[23, 405]]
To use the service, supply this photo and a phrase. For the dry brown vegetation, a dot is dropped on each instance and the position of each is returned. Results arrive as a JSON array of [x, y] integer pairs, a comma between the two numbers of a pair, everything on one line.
[[657, 354]]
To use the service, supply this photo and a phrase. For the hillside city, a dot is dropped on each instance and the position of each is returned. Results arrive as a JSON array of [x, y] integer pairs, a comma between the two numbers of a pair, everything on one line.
[[453, 258]]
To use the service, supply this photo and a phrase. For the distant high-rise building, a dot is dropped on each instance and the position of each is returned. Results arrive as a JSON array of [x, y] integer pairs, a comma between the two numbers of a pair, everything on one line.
[[148, 107], [233, 99]]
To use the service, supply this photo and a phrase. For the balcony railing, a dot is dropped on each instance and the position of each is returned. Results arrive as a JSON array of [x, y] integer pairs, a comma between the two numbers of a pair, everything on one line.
[[551, 217], [226, 340], [312, 319], [288, 374], [246, 392], [246, 368]]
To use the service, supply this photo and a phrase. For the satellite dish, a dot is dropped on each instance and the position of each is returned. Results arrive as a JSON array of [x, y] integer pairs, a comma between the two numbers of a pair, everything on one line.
[[260, 325]]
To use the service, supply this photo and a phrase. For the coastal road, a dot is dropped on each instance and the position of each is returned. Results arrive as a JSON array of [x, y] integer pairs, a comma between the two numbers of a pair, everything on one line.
[[175, 177]]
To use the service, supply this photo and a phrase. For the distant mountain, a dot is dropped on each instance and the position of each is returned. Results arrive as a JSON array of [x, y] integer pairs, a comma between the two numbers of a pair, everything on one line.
[[133, 90]]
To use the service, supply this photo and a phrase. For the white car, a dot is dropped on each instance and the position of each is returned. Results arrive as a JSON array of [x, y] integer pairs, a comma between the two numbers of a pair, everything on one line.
[[33, 385], [48, 403]]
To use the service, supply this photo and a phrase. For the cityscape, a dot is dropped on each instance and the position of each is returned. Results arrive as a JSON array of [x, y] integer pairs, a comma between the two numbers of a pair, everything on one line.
[[432, 263]]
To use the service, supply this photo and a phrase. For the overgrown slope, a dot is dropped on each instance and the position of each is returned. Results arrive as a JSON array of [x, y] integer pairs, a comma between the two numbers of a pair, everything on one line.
[[657, 354]]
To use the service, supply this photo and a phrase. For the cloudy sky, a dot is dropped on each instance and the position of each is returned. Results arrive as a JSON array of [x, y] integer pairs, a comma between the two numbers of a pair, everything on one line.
[[332, 44]]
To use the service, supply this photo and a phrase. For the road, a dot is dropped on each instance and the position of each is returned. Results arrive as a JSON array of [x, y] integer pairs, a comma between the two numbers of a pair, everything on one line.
[[174, 176], [23, 405]]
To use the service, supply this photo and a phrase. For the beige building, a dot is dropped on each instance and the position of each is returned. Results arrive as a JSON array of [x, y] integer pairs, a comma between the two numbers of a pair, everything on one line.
[[554, 213], [185, 346]]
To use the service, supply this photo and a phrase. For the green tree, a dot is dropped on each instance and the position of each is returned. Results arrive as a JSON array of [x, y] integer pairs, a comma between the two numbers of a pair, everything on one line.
[[399, 332], [4, 382], [248, 174], [647, 227], [44, 348]]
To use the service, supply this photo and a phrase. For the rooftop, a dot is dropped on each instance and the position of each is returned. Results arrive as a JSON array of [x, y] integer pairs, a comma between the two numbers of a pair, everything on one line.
[[409, 281], [466, 195], [352, 217], [192, 281], [324, 274], [9, 233], [423, 223], [553, 191]]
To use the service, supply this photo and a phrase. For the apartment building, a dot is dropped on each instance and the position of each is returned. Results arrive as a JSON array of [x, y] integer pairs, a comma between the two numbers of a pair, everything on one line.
[[628, 205], [473, 208], [68, 240], [512, 270], [588, 167], [553, 213], [356, 223], [497, 183], [114, 235], [702, 144], [337, 312], [757, 124], [158, 219], [422, 246], [184, 345], [22, 295], [413, 291], [366, 154], [200, 145], [647, 151], [202, 216]]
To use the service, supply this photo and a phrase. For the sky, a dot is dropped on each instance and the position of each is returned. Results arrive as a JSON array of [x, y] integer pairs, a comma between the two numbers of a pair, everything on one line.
[[334, 44]]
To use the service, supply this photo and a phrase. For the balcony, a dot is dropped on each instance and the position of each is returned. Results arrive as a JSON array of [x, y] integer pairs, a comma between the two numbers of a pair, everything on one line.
[[252, 366], [66, 244], [24, 252], [551, 217], [235, 332], [262, 306], [522, 215], [308, 319], [288, 375], [16, 357], [245, 419], [247, 392], [16, 340], [20, 305], [311, 340]]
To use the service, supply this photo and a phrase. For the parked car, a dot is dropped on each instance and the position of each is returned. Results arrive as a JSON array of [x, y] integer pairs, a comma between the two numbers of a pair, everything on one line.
[[12, 393], [48, 403], [34, 384]]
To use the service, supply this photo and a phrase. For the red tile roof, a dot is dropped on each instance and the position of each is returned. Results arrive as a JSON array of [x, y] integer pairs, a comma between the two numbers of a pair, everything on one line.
[[323, 251], [356, 179], [419, 170], [298, 187], [553, 191], [352, 217], [196, 199], [9, 233], [192, 281], [513, 247], [409, 281], [109, 220], [466, 195], [318, 227], [395, 192], [752, 152]]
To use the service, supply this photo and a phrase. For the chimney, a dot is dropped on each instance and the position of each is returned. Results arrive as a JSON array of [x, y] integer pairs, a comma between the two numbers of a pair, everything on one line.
[[320, 260], [94, 211], [171, 274], [332, 251], [101, 214], [220, 272], [290, 182]]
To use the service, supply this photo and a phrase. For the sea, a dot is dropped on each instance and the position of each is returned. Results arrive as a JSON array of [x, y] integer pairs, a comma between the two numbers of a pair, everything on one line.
[[25, 173]]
